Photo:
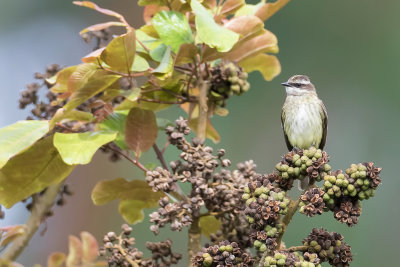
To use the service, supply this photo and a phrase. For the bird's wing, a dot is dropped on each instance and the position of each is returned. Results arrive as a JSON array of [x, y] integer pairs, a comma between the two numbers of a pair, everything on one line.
[[324, 117], [289, 146]]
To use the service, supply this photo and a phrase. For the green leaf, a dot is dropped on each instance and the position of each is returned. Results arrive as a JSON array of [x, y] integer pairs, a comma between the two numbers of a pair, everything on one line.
[[32, 171], [268, 65], [158, 53], [116, 122], [166, 63], [173, 29], [151, 2], [209, 225], [79, 148], [134, 196], [140, 130], [209, 32], [140, 64], [120, 52], [163, 123], [97, 83], [17, 137], [150, 42]]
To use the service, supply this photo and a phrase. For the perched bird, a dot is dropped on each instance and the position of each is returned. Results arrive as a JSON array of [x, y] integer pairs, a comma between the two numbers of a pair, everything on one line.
[[304, 118]]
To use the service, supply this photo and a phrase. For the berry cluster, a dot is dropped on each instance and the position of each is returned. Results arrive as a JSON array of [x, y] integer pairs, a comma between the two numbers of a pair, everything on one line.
[[162, 254], [227, 79], [264, 206], [178, 214], [101, 37], [223, 254], [342, 193], [161, 180], [291, 259], [329, 247], [119, 251], [299, 164]]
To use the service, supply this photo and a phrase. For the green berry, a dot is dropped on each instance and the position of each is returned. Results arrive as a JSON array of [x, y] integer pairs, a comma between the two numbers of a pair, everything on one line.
[[263, 248], [245, 196]]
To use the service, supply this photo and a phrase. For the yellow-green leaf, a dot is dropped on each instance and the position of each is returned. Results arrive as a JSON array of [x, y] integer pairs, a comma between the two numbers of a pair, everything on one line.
[[209, 225], [62, 77], [31, 172], [62, 115], [116, 122], [268, 65], [140, 64], [17, 137], [97, 83], [211, 132], [209, 32], [140, 130], [79, 148], [134, 196], [81, 75], [120, 52], [166, 62]]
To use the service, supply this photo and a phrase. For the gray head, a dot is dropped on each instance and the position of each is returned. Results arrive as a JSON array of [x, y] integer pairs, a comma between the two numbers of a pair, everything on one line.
[[299, 85]]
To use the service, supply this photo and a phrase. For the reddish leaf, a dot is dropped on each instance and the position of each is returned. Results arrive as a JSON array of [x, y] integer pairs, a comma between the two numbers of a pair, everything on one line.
[[140, 129], [89, 247], [74, 251], [151, 10], [101, 26], [93, 56], [264, 43], [92, 5], [231, 6], [269, 9]]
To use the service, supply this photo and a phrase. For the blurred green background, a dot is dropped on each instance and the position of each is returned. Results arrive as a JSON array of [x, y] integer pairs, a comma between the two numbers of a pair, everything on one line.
[[350, 49]]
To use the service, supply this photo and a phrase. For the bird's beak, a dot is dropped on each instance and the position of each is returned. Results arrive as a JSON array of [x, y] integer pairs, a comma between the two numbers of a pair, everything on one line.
[[286, 84]]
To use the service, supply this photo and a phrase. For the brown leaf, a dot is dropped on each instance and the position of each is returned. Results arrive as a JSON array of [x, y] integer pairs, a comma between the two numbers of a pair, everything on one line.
[[89, 247], [231, 6], [186, 54], [74, 252], [140, 130]]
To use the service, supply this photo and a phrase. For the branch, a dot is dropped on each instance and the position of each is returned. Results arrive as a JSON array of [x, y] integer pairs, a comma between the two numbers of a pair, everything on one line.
[[194, 244], [39, 210], [204, 86], [160, 156]]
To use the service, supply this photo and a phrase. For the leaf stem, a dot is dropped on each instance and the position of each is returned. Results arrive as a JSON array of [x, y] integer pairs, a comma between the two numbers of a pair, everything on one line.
[[160, 156], [135, 162], [39, 210]]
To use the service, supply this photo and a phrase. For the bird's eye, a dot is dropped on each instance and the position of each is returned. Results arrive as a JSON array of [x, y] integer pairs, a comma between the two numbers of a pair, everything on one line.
[[297, 84]]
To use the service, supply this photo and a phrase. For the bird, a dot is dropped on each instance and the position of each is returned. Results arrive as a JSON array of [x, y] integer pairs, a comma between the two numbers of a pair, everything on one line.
[[304, 117]]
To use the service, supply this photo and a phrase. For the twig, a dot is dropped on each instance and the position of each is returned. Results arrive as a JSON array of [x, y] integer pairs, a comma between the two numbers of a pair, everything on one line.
[[135, 162], [160, 156], [194, 244], [39, 210], [144, 47]]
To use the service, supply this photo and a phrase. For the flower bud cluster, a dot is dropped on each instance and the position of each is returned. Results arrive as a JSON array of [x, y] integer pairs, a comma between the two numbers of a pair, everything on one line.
[[223, 254], [329, 247], [227, 79], [264, 206], [297, 164], [291, 259]]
